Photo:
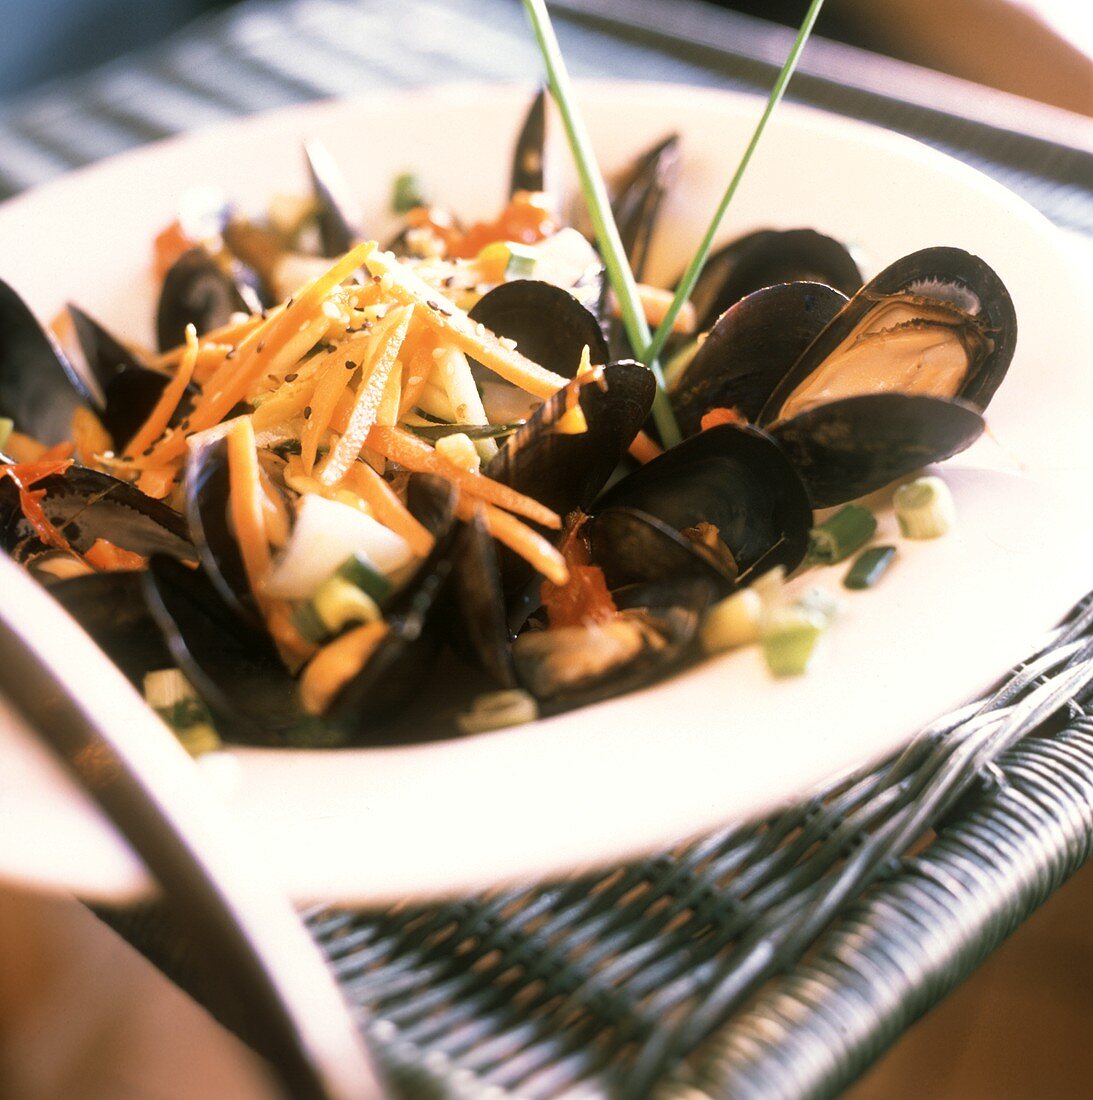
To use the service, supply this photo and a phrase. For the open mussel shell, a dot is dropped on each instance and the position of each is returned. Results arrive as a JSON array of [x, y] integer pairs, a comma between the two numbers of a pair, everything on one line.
[[198, 290], [478, 625], [736, 480], [943, 298], [207, 487], [669, 611], [765, 258], [529, 153], [400, 664], [566, 471], [845, 449], [85, 505], [232, 665], [131, 389], [339, 217], [549, 326], [750, 348], [40, 389]]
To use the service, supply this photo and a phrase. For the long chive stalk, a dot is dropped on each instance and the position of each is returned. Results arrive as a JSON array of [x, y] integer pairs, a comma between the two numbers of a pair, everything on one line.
[[694, 268], [599, 208]]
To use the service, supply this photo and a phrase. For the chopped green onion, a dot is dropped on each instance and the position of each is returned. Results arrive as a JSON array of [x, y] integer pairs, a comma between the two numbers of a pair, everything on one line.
[[406, 194], [6, 428], [732, 622], [433, 432], [789, 641], [687, 283], [840, 535], [599, 209], [869, 567], [173, 698], [306, 620], [925, 508], [522, 261], [360, 572], [498, 709], [339, 602]]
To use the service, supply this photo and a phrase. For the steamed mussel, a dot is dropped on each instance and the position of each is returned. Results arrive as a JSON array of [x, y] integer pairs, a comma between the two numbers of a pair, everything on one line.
[[416, 472]]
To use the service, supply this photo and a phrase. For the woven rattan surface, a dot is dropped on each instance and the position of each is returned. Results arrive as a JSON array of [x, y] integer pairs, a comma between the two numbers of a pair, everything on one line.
[[774, 960]]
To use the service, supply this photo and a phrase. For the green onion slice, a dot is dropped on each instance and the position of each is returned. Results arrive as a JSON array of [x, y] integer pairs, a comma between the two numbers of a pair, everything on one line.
[[925, 508], [840, 535], [869, 567]]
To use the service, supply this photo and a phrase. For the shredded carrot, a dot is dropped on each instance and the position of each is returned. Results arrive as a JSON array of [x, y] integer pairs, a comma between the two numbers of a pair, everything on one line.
[[245, 504], [160, 416], [415, 454], [157, 481], [332, 384], [502, 358], [292, 646], [59, 452], [226, 337], [337, 663], [388, 508], [585, 599], [387, 413], [108, 558], [416, 377], [389, 334], [89, 436], [721, 415], [517, 536], [645, 449], [655, 303]]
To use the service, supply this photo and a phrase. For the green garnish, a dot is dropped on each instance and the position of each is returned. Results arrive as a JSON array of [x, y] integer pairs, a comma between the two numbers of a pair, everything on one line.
[[840, 535], [924, 508], [686, 284], [6, 428], [522, 261], [433, 432], [406, 193], [789, 641], [599, 209], [173, 698], [869, 567]]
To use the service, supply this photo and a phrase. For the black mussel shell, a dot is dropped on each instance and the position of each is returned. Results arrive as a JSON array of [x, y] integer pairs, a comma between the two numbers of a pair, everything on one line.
[[112, 609], [339, 216], [85, 505], [673, 608], [477, 621], [207, 486], [399, 666], [736, 479], [765, 258], [130, 388], [750, 348], [848, 448], [197, 290], [40, 389], [977, 305], [566, 471], [529, 152], [638, 198], [548, 324], [232, 664]]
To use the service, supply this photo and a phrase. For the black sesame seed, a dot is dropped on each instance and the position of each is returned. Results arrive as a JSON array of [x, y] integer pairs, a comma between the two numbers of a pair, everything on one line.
[[261, 346], [350, 365], [291, 377], [146, 452], [431, 304], [307, 412]]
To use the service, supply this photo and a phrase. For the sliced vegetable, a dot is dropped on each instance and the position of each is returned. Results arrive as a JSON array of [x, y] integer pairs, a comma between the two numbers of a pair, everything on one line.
[[336, 664], [840, 535], [518, 537], [869, 567], [339, 602], [173, 698], [498, 709], [789, 640], [406, 193], [925, 508], [458, 449], [732, 622]]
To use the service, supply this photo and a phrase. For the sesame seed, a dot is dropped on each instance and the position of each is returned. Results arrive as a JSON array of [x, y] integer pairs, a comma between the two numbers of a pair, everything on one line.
[[307, 412], [146, 452], [446, 312], [291, 377], [231, 353], [288, 304], [431, 304], [448, 280], [350, 365], [507, 343], [261, 347]]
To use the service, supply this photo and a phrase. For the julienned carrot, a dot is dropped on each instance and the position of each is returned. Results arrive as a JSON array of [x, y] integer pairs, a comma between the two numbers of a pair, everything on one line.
[[644, 448], [415, 454], [416, 377], [387, 413], [160, 416], [331, 385], [336, 664], [280, 341], [389, 335], [388, 508], [246, 504], [227, 336], [517, 536], [475, 340], [26, 474]]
